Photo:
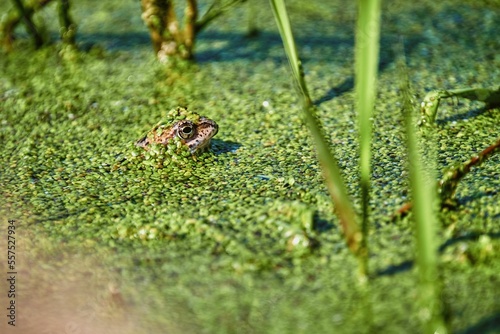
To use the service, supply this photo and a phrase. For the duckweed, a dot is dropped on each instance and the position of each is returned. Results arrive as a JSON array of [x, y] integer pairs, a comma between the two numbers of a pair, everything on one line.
[[248, 226]]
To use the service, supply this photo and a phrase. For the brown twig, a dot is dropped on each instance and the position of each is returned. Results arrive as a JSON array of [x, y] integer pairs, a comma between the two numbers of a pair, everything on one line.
[[153, 18], [448, 184]]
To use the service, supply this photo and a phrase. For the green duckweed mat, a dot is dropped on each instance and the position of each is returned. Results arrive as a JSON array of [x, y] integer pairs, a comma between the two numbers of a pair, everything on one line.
[[242, 240]]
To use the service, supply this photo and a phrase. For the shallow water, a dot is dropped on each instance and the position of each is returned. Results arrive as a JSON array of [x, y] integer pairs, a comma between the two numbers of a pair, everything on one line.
[[243, 239]]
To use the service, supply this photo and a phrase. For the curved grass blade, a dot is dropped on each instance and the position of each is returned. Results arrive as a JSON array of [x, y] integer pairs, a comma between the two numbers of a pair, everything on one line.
[[327, 161]]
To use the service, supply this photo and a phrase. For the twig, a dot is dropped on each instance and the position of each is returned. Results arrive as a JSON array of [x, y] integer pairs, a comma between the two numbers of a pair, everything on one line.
[[25, 14], [448, 184], [68, 27], [214, 12]]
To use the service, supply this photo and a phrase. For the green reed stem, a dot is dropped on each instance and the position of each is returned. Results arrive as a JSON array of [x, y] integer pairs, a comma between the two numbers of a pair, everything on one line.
[[366, 61], [285, 29], [424, 194], [328, 163]]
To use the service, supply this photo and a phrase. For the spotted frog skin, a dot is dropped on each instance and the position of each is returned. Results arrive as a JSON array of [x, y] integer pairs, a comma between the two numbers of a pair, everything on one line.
[[191, 129]]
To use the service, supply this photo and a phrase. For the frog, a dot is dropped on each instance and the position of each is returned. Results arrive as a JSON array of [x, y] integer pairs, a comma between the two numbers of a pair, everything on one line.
[[184, 127]]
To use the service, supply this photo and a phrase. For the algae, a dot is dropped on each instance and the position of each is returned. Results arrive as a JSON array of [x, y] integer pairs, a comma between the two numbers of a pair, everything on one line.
[[244, 239]]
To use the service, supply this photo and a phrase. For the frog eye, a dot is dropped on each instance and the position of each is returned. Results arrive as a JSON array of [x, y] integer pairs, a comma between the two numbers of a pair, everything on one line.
[[185, 130]]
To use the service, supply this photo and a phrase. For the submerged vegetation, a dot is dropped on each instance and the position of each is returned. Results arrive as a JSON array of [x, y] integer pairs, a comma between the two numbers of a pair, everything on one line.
[[244, 237]]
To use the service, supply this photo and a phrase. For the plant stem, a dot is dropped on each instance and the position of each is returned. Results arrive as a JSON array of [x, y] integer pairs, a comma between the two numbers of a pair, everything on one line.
[[430, 308], [26, 15], [328, 163], [68, 27], [214, 12], [191, 15], [366, 58], [448, 184], [253, 29]]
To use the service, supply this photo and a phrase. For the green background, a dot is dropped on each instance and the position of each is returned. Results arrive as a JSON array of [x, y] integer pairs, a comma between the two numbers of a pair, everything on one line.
[[244, 239]]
